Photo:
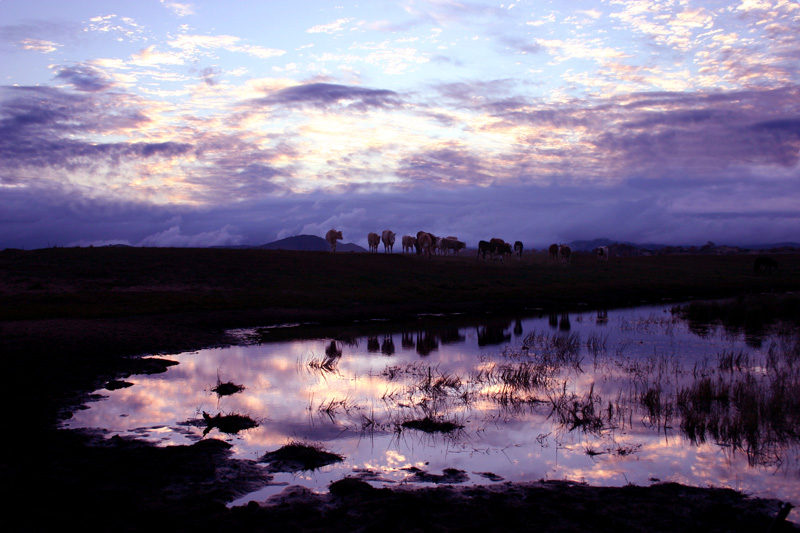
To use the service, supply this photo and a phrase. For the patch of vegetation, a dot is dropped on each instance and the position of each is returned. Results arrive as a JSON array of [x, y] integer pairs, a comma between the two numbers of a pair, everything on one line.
[[299, 456], [429, 425], [230, 424], [228, 388]]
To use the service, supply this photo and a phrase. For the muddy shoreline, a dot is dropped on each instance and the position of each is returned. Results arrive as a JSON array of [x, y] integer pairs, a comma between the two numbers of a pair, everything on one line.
[[55, 357]]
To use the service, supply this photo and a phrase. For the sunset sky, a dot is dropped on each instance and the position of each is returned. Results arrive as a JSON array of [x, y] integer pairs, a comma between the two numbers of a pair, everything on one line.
[[160, 123]]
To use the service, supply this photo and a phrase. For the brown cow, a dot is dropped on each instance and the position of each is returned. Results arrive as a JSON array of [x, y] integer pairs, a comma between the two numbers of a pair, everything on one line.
[[409, 243], [373, 239], [332, 236], [424, 243]]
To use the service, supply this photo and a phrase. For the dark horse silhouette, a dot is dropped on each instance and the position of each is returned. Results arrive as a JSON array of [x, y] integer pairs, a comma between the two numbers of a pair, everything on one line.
[[764, 264]]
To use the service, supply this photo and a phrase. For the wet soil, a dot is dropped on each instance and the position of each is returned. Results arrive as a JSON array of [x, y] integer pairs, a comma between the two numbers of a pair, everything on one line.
[[74, 321]]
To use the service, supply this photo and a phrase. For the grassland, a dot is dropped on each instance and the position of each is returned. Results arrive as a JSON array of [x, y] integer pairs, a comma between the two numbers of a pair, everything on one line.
[[73, 318]]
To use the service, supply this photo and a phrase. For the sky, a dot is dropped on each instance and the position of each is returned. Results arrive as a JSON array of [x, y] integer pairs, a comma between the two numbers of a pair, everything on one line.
[[210, 123]]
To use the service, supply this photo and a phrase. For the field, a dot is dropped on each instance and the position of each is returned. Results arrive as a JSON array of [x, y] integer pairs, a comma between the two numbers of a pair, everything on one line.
[[73, 318]]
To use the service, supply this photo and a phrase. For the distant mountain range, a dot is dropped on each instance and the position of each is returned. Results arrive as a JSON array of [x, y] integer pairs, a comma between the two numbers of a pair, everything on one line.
[[305, 243], [313, 243]]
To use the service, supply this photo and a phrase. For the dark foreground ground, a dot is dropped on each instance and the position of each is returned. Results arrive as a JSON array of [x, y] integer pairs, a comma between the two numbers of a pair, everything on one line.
[[73, 319]]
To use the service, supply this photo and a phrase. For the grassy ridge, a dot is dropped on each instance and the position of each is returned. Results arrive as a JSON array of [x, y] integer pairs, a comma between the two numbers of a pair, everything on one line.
[[119, 282]]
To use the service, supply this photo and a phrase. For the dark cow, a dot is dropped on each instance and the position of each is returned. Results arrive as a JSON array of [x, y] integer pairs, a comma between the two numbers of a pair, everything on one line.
[[486, 248], [602, 254], [451, 244], [518, 250], [565, 253], [553, 252], [504, 250], [764, 264]]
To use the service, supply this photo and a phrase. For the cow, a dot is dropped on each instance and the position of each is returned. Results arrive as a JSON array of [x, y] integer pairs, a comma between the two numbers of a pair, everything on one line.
[[451, 244], [332, 236], [764, 263], [373, 240], [388, 241], [553, 252], [425, 243], [431, 242], [409, 243], [486, 248], [602, 254], [518, 250], [565, 253], [504, 250]]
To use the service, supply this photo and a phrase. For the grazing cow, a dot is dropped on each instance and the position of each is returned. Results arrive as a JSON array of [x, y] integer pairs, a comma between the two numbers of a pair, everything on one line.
[[409, 243], [764, 263], [425, 243], [332, 236], [373, 239], [553, 252], [518, 250], [504, 250], [451, 244], [565, 253], [486, 248], [602, 254], [388, 241]]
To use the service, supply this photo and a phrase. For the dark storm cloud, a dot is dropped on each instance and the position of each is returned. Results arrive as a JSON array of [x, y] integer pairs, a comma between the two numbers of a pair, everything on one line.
[[636, 211], [84, 78], [445, 166], [328, 95], [37, 126]]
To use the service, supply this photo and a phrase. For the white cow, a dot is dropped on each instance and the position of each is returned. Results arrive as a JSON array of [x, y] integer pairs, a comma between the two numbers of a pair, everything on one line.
[[388, 241], [602, 254], [373, 239], [408, 243], [332, 236]]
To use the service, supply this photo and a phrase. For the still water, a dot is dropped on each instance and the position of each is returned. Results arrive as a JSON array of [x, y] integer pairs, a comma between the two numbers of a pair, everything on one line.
[[604, 398]]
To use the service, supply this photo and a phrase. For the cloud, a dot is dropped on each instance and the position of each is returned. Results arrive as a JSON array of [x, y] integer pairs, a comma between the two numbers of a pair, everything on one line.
[[195, 44], [173, 237], [328, 95], [84, 78], [178, 8], [330, 28]]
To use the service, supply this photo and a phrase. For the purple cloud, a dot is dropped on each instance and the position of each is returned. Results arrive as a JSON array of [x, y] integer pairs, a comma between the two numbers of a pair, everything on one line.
[[84, 78], [328, 95]]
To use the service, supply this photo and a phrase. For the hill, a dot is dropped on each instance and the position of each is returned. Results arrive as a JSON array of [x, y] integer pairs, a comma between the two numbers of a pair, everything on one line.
[[309, 243]]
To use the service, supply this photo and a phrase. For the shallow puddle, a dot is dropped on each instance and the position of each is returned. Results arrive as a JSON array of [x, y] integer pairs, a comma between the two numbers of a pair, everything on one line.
[[606, 398]]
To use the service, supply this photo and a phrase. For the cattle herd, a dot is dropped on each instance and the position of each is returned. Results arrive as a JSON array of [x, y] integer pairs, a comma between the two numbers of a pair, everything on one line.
[[428, 244]]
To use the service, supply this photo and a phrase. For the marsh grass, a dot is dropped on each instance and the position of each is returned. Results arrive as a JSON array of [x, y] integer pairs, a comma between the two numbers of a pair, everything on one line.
[[299, 455]]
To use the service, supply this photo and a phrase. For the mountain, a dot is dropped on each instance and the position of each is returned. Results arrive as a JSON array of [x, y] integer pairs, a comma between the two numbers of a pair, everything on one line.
[[309, 243]]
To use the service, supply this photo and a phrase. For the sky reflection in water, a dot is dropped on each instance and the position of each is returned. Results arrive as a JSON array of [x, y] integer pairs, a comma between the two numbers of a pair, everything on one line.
[[548, 397]]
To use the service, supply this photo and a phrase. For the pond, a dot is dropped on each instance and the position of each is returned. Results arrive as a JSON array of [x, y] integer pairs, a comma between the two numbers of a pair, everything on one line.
[[607, 398]]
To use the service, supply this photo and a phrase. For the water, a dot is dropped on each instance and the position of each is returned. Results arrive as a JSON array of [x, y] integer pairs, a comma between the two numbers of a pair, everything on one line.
[[589, 396]]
